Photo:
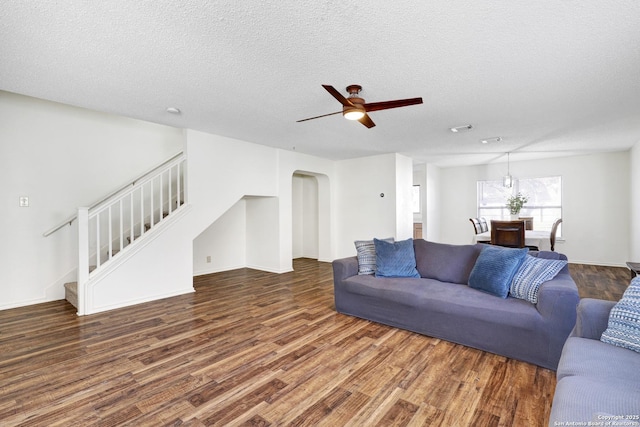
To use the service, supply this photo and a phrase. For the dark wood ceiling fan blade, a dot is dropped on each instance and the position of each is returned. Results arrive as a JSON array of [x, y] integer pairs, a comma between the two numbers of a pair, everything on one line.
[[337, 95], [317, 117], [366, 120], [385, 105]]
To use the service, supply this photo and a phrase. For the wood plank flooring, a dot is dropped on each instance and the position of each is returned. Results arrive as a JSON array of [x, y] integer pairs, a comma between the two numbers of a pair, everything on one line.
[[259, 349]]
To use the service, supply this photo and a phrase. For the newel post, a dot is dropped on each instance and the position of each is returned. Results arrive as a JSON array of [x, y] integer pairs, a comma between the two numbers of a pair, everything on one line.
[[83, 257]]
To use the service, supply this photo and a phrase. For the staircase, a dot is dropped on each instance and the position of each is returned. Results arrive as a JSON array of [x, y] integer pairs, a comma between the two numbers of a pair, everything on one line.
[[122, 220], [71, 288]]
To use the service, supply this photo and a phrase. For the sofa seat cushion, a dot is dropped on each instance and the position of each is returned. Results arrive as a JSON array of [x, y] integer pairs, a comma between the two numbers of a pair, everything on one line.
[[433, 296], [587, 399], [600, 361], [446, 263]]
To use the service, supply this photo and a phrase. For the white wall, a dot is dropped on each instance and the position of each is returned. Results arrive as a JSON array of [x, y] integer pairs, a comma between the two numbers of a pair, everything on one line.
[[404, 197], [61, 157], [420, 178], [596, 206], [634, 198], [432, 224], [363, 213], [223, 171], [224, 242], [263, 232]]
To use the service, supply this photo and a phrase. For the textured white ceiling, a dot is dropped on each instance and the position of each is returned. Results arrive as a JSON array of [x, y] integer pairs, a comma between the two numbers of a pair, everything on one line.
[[551, 77]]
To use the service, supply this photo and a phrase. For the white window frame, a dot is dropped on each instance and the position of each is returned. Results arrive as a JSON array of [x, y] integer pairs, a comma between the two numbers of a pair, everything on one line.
[[544, 214]]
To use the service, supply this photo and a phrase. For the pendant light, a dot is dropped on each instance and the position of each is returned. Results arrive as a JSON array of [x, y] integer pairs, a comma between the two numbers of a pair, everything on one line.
[[507, 180]]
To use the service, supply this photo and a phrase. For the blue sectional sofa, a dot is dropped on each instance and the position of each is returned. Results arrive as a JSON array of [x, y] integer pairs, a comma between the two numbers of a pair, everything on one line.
[[440, 304], [598, 384]]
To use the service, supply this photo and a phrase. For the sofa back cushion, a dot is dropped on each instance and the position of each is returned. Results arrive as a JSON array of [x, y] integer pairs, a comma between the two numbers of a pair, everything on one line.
[[446, 263]]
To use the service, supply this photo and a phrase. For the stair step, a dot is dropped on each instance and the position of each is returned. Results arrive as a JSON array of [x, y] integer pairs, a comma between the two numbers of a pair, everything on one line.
[[147, 227], [71, 293], [71, 290]]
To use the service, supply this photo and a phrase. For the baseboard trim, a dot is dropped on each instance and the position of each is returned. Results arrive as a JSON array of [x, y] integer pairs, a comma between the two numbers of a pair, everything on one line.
[[605, 264], [129, 303], [216, 270], [270, 270]]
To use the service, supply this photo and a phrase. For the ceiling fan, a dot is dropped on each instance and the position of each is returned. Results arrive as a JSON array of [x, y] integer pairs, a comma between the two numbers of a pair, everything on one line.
[[354, 107]]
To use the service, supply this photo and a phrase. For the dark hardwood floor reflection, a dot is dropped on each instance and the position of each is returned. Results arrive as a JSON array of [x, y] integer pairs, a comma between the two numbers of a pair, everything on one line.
[[255, 348]]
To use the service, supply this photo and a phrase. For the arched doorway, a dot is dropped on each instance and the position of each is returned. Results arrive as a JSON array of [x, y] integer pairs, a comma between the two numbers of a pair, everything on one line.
[[305, 216]]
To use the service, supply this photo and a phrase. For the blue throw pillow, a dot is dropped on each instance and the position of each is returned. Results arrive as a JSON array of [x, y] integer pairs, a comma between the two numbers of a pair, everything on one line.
[[395, 259], [532, 273], [495, 268], [623, 329]]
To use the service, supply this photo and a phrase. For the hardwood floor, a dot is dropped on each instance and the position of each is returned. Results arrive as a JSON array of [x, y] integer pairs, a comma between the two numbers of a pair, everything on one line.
[[596, 281], [255, 348]]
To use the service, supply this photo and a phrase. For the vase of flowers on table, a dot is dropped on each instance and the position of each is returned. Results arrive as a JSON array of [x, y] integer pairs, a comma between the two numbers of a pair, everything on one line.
[[515, 204]]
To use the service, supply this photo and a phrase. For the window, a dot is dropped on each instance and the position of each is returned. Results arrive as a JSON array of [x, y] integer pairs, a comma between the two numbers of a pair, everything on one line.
[[416, 199], [544, 205]]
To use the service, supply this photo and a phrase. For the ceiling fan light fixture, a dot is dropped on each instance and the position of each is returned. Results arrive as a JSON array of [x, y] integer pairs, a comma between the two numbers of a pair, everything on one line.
[[353, 113], [355, 108]]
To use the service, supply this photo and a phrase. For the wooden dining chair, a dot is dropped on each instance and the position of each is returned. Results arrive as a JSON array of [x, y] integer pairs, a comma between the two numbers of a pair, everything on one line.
[[507, 233], [476, 225], [554, 230]]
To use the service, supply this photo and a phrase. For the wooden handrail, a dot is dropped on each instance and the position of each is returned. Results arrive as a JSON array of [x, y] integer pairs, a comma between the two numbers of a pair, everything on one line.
[[70, 220]]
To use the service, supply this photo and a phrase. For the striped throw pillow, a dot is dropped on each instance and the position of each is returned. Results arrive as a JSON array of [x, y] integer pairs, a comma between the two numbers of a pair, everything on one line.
[[367, 255], [532, 273], [623, 329]]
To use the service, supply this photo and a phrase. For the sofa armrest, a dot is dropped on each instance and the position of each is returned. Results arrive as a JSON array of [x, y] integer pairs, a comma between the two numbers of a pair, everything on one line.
[[593, 318], [558, 298], [344, 268]]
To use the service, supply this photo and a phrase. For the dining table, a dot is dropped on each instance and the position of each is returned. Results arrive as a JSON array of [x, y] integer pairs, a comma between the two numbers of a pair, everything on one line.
[[537, 238]]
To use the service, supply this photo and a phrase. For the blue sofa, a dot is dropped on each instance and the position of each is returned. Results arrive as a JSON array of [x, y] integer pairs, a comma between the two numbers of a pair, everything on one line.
[[597, 383], [441, 305]]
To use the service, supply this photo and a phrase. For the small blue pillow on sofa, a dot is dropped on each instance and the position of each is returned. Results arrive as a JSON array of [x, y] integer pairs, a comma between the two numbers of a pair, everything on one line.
[[395, 259], [495, 268]]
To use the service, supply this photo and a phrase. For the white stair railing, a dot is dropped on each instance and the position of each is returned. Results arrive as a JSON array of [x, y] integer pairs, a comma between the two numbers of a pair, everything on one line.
[[108, 229]]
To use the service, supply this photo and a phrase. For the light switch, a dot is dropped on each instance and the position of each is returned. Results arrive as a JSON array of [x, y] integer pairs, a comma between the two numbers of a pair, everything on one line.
[[24, 202]]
